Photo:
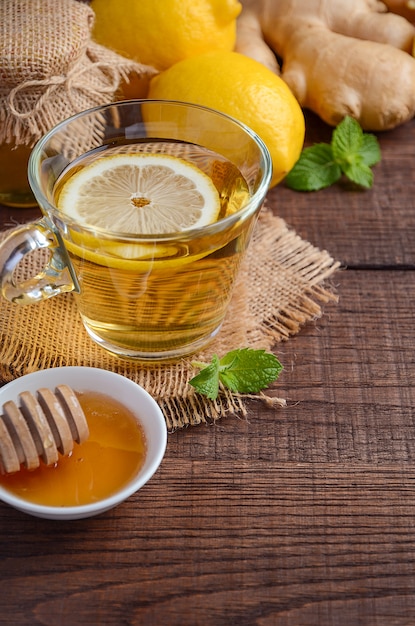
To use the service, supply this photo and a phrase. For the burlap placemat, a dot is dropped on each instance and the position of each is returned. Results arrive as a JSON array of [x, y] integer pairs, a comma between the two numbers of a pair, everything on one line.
[[280, 288]]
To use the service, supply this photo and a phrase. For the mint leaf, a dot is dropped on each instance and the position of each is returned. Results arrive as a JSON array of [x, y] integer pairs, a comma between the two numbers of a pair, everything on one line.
[[244, 370], [351, 152], [315, 169], [359, 173], [347, 140], [248, 370], [370, 150], [207, 381]]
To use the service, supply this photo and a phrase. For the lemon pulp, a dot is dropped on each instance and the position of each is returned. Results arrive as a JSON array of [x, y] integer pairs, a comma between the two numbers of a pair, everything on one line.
[[141, 194]]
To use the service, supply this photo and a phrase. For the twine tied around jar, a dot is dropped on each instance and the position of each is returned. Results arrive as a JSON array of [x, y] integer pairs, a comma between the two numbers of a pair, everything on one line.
[[70, 81]]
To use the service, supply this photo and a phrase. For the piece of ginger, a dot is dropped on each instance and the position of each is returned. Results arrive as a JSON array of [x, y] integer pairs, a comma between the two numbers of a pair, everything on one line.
[[339, 58]]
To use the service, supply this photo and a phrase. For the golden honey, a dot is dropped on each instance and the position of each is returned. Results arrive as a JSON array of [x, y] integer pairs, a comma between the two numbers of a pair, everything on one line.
[[108, 460]]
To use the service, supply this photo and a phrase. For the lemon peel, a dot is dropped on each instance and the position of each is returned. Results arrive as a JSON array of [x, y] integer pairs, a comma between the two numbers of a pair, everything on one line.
[[161, 32]]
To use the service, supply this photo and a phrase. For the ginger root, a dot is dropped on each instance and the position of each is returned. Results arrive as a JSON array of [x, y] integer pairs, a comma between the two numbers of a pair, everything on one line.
[[338, 58]]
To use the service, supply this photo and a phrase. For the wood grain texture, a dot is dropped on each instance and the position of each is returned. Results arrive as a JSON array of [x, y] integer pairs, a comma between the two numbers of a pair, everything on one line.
[[303, 516], [247, 542]]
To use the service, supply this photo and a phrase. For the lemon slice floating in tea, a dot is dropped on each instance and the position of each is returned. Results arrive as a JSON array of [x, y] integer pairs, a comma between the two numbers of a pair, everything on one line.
[[146, 193]]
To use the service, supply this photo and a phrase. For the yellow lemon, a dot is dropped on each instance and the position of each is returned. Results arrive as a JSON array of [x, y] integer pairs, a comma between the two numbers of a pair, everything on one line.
[[161, 32], [136, 194], [143, 194], [245, 89]]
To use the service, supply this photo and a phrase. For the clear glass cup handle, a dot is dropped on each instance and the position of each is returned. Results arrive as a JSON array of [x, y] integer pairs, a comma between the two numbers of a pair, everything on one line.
[[57, 276]]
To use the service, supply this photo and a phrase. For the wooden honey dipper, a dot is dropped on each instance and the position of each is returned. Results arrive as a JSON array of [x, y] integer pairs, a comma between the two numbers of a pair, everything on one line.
[[40, 428]]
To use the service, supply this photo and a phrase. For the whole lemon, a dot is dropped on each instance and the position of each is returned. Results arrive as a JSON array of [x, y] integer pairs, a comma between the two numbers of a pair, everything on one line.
[[161, 32], [245, 89]]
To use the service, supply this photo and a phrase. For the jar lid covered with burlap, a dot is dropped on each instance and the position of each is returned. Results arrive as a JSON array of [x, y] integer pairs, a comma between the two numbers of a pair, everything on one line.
[[50, 68]]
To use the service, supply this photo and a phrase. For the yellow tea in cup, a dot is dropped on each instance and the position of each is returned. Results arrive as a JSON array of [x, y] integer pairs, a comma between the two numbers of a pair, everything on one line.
[[156, 294]]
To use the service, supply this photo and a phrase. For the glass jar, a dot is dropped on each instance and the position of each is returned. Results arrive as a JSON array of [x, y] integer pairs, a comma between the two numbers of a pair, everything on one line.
[[14, 185]]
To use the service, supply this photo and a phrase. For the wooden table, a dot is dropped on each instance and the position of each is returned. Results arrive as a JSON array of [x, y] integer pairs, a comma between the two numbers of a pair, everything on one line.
[[303, 516]]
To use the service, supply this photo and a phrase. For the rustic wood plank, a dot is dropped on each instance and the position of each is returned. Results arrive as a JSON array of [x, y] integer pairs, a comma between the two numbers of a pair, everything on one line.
[[247, 542]]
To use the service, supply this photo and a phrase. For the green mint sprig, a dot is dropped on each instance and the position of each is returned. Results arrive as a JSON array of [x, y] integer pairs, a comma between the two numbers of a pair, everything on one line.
[[244, 370], [351, 152]]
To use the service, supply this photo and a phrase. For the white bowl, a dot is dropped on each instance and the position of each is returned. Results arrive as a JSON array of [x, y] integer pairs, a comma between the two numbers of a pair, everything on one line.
[[122, 389]]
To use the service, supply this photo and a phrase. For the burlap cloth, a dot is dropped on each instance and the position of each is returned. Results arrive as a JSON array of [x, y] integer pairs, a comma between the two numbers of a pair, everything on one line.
[[50, 68], [279, 288]]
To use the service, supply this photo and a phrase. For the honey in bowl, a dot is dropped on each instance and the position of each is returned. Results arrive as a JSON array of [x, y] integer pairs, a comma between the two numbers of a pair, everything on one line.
[[107, 461]]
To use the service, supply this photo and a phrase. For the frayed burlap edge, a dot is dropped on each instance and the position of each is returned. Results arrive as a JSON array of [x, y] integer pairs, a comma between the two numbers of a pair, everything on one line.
[[279, 289]]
